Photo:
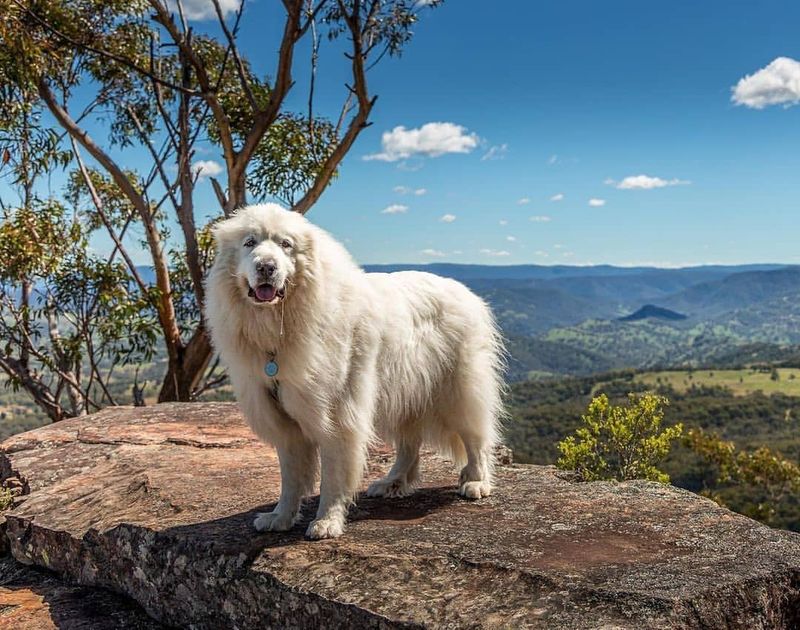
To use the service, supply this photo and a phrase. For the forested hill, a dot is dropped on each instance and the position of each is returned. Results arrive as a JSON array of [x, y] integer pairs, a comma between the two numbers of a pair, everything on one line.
[[579, 320], [582, 320]]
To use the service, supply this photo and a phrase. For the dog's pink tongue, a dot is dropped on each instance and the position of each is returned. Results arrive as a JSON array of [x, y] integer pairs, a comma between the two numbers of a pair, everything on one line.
[[265, 292]]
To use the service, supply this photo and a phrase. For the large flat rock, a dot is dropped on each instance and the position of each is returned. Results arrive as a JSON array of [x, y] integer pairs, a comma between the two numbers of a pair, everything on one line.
[[32, 599], [157, 504]]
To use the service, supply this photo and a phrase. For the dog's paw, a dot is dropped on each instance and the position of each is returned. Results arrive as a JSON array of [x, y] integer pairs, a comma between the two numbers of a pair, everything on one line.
[[475, 489], [325, 528], [273, 521], [389, 488]]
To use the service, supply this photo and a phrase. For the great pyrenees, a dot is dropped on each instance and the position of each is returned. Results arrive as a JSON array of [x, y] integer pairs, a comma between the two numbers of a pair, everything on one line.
[[325, 359]]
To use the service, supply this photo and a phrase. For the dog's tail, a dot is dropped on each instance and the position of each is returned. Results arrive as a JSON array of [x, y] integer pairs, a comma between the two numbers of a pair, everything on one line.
[[480, 385]]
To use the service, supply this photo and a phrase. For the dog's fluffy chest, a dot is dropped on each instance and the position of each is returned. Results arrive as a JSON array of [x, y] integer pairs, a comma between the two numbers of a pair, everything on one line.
[[305, 391]]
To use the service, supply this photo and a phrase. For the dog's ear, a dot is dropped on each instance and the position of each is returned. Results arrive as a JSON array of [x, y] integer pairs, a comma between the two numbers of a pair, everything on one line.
[[222, 231], [307, 259]]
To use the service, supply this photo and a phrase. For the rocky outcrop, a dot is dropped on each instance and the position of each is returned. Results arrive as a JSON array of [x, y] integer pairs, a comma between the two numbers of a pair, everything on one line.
[[32, 599], [157, 503]]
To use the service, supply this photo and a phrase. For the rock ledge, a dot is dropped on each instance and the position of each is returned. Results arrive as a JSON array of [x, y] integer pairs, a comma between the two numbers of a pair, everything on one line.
[[156, 504]]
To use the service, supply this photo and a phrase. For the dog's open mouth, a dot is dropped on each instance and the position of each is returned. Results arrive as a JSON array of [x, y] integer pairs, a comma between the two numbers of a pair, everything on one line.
[[266, 292]]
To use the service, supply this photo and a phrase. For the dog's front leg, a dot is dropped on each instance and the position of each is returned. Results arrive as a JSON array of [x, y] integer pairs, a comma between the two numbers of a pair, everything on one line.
[[343, 445], [343, 458], [298, 462]]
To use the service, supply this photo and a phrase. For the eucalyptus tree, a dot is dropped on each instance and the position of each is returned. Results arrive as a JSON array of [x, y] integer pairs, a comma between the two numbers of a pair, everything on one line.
[[66, 316], [114, 78]]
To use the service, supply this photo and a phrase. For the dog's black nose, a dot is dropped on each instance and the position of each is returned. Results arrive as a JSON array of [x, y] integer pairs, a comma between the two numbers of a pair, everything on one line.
[[266, 267]]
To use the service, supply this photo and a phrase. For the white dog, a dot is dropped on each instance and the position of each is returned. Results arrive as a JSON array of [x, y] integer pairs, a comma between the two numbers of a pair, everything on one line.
[[324, 358]]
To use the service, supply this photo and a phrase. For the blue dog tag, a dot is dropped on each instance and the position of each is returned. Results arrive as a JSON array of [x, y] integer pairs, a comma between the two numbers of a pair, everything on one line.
[[271, 368]]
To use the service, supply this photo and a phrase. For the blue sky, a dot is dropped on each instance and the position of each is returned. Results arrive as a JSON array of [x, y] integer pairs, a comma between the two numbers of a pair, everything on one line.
[[566, 100], [581, 92]]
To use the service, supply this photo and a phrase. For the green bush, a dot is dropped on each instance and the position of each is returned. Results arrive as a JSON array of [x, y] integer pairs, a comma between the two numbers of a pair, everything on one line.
[[773, 482], [620, 441], [6, 499]]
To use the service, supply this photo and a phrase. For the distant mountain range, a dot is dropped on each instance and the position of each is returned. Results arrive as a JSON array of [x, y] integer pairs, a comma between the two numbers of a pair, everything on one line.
[[579, 320], [550, 272], [651, 311]]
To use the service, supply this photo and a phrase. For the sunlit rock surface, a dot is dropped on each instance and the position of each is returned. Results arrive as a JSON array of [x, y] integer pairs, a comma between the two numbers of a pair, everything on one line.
[[157, 503]]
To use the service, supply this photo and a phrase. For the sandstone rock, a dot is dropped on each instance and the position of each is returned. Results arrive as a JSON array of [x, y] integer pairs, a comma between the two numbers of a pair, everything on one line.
[[35, 600], [157, 504]]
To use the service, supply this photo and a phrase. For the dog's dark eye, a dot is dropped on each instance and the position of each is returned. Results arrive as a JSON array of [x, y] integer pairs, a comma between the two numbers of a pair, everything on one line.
[[250, 242], [286, 244]]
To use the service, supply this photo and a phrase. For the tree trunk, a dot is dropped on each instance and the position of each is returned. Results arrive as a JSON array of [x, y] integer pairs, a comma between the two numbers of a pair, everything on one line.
[[37, 390], [77, 407], [25, 303], [237, 192], [186, 369]]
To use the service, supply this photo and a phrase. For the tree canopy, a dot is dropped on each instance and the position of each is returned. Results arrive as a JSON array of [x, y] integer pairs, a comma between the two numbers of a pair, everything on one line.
[[143, 74]]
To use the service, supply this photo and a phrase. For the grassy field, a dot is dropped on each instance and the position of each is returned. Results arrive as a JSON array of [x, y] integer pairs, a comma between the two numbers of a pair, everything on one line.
[[741, 382]]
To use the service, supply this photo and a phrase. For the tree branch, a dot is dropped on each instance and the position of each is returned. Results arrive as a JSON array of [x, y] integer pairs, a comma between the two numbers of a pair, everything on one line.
[[223, 200], [185, 210], [357, 123], [98, 206], [164, 305], [78, 45], [68, 378], [237, 59], [208, 94], [170, 128], [74, 393], [33, 384], [264, 118]]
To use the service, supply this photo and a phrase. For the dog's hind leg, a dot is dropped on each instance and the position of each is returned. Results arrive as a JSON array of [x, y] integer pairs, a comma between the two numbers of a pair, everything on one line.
[[298, 462], [400, 480], [475, 422], [475, 480]]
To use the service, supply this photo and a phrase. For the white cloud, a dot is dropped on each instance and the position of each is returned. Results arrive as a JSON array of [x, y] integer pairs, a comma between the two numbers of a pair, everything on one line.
[[541, 219], [395, 208], [433, 252], [409, 167], [431, 140], [405, 190], [776, 84], [203, 9], [206, 168], [557, 197], [524, 201], [511, 239], [496, 152], [596, 203], [558, 246], [552, 159], [645, 182], [503, 222], [494, 252], [448, 218], [541, 253]]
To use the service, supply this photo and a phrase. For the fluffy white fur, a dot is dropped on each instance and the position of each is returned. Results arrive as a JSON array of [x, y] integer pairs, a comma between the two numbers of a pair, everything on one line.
[[410, 358]]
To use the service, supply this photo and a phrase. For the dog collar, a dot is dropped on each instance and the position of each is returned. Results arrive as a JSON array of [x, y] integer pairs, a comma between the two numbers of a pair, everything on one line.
[[271, 366]]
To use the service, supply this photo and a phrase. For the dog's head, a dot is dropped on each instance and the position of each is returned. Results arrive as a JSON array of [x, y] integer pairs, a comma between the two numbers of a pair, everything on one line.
[[265, 250]]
